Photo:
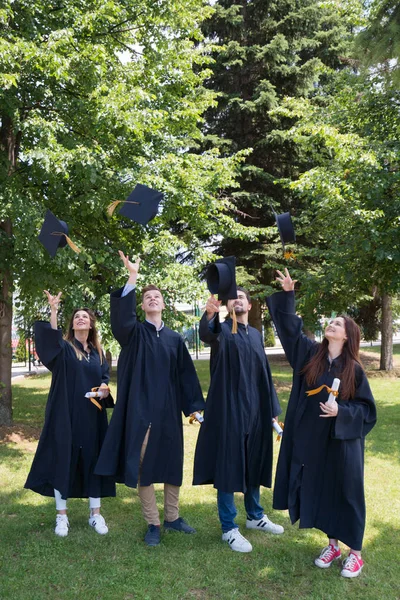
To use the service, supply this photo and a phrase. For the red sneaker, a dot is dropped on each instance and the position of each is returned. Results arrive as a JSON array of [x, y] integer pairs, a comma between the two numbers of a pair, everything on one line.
[[352, 566], [327, 556]]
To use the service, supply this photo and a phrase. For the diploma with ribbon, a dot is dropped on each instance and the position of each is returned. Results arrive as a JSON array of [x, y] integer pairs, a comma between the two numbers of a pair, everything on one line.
[[96, 393], [278, 428], [333, 391], [196, 417]]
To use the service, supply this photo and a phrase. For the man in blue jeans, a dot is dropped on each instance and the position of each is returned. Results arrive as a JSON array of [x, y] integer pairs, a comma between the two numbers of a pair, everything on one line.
[[234, 448]]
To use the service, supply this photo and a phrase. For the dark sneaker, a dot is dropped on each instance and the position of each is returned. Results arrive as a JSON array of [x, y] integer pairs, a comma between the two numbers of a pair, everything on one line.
[[153, 535], [352, 566], [178, 525]]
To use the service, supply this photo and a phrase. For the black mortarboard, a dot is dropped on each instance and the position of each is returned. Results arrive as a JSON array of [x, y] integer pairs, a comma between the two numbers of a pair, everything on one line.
[[54, 234], [141, 205], [285, 228], [221, 278]]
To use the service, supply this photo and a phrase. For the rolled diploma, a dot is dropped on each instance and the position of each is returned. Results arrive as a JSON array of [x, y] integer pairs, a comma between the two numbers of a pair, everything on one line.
[[199, 417], [98, 394], [335, 386], [277, 427]]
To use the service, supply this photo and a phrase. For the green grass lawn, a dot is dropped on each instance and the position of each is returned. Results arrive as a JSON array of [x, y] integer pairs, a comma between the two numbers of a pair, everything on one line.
[[377, 349], [35, 564]]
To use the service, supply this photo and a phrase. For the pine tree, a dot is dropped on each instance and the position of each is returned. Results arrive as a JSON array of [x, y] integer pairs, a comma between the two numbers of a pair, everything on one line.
[[265, 51]]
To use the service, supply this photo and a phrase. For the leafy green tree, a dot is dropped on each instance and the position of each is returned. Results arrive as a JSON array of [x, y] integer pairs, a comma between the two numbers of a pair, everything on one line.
[[96, 96], [378, 45], [353, 198], [265, 51]]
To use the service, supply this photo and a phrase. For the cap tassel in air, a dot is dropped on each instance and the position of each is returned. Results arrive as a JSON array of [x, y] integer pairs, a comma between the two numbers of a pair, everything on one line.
[[113, 205], [70, 243]]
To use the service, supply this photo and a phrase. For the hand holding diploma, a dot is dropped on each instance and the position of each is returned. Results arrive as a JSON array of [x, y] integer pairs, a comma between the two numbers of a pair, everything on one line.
[[330, 408], [196, 416], [98, 392], [278, 428]]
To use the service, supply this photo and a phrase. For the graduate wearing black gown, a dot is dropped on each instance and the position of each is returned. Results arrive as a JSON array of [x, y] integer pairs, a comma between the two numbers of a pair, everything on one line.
[[157, 381], [234, 447], [74, 427], [320, 468]]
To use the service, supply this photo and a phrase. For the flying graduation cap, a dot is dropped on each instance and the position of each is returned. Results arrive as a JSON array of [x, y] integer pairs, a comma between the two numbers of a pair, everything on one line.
[[54, 234], [285, 228], [140, 206], [221, 280]]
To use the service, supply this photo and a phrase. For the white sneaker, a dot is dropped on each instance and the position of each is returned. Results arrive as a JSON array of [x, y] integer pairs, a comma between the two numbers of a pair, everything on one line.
[[236, 541], [264, 524], [99, 524], [62, 525]]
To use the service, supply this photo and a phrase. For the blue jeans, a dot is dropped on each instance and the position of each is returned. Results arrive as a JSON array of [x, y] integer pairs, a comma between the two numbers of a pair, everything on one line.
[[227, 509]]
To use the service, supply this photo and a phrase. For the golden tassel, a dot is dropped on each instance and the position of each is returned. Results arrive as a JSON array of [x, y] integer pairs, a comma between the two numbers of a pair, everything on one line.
[[70, 243], [234, 322], [114, 205], [73, 246]]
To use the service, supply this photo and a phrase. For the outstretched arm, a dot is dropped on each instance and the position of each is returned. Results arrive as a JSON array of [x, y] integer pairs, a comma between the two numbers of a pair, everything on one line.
[[48, 338], [132, 267], [209, 327], [54, 302], [123, 304], [288, 325]]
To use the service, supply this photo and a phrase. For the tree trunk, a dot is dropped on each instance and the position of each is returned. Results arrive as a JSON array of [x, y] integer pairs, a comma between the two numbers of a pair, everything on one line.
[[386, 334], [9, 145], [255, 314], [5, 339]]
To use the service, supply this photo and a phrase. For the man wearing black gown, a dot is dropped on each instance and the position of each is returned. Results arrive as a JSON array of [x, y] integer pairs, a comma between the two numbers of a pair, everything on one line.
[[157, 381], [234, 448]]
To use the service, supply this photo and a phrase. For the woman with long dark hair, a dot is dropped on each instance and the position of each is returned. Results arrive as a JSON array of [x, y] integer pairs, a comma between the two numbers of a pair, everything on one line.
[[75, 426], [320, 476]]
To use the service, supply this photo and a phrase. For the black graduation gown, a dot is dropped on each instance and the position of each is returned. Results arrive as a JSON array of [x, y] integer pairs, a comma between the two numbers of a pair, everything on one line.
[[234, 447], [320, 472], [157, 381], [74, 428]]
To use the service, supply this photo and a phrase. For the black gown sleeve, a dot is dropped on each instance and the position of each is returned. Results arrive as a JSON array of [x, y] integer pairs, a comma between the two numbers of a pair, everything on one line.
[[275, 406], [191, 394], [105, 378], [105, 371], [49, 343], [356, 417], [289, 326], [123, 315], [209, 331]]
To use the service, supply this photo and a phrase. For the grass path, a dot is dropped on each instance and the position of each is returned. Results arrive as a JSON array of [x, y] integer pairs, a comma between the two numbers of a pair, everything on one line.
[[36, 565]]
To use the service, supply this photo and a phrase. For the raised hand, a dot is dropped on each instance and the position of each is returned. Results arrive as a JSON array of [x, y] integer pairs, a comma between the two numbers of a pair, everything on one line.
[[212, 306], [286, 281], [54, 301], [133, 267]]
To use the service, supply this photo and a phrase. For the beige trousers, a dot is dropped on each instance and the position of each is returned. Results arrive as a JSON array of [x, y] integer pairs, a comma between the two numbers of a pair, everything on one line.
[[148, 497]]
